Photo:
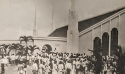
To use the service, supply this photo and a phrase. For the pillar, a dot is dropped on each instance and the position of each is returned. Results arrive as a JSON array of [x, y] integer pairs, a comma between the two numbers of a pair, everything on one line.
[[110, 38], [72, 32]]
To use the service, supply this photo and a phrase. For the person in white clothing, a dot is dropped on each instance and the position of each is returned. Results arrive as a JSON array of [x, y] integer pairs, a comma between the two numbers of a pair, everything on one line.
[[35, 68], [6, 61], [13, 59], [2, 64], [55, 69], [68, 67]]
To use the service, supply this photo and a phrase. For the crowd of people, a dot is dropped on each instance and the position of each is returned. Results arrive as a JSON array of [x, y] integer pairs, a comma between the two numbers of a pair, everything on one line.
[[66, 63], [63, 63]]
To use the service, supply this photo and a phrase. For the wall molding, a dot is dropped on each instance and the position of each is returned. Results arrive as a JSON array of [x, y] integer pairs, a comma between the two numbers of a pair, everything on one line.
[[102, 22]]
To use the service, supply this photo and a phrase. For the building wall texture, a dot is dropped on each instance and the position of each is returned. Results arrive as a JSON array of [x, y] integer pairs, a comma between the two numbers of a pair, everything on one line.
[[117, 21]]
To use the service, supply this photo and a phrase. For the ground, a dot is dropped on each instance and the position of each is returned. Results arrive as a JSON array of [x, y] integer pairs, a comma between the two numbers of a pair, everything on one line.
[[13, 70]]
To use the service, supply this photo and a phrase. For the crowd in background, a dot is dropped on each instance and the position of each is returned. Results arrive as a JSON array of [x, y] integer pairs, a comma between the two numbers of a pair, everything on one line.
[[66, 63]]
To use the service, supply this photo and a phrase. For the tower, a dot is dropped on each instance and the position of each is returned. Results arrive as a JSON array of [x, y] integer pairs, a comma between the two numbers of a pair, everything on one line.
[[72, 33], [35, 32]]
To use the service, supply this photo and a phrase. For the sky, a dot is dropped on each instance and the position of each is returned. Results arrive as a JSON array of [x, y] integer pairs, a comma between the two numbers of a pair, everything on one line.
[[17, 16]]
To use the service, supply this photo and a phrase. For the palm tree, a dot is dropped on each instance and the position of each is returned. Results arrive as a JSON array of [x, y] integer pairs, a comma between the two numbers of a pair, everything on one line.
[[5, 47], [20, 49], [32, 48], [26, 39], [13, 46]]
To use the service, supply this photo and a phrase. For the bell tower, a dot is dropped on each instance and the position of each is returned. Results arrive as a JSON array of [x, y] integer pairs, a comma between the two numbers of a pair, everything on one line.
[[72, 32]]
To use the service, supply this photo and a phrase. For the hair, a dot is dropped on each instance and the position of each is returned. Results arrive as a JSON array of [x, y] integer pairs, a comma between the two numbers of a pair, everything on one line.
[[55, 62], [35, 61], [43, 63]]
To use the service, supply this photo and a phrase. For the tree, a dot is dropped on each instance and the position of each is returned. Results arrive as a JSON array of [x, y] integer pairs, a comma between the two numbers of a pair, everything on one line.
[[120, 60], [13, 46], [5, 47], [20, 49], [98, 63], [26, 39], [32, 48]]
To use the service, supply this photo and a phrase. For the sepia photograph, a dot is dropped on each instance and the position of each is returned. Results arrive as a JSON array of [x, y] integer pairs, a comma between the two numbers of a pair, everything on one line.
[[62, 37]]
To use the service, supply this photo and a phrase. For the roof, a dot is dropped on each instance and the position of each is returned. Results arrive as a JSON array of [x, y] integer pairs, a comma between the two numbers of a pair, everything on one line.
[[82, 25]]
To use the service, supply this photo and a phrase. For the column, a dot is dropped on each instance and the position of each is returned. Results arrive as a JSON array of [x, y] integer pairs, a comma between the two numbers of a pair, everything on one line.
[[92, 39], [110, 38], [72, 32]]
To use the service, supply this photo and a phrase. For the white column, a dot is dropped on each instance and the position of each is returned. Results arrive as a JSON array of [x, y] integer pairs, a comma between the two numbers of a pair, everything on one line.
[[72, 32], [92, 39], [110, 38], [101, 33]]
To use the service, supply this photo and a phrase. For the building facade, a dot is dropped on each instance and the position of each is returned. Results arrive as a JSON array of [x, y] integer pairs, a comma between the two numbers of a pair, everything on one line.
[[103, 32]]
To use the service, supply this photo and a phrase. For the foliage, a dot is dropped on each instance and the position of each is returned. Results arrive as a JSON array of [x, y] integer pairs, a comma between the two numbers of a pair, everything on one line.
[[97, 61], [5, 47], [32, 48], [120, 60], [25, 38]]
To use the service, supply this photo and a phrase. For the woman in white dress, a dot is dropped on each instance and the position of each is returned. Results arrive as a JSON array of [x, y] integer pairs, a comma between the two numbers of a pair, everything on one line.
[[55, 69]]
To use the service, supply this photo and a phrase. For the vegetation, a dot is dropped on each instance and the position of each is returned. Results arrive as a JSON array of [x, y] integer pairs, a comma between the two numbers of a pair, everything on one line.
[[32, 48]]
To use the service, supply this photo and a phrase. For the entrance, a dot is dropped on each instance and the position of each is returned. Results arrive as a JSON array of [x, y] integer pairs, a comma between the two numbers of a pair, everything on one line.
[[47, 48]]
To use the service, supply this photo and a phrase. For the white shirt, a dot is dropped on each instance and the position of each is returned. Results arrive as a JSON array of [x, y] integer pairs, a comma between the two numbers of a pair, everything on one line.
[[3, 60], [77, 64], [13, 57], [35, 67], [68, 65]]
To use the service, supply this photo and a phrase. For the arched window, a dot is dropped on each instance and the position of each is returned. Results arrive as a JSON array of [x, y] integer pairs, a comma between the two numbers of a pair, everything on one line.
[[114, 40], [97, 44], [47, 48], [105, 43]]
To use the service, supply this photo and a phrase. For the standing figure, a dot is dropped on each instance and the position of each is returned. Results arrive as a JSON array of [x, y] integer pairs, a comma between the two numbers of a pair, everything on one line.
[[68, 67], [13, 59], [25, 67], [2, 65], [61, 67], [55, 69], [73, 71], [47, 68], [40, 70], [35, 68]]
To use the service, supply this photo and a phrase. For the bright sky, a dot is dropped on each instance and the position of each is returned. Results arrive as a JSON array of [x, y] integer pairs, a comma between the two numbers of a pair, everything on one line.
[[17, 16]]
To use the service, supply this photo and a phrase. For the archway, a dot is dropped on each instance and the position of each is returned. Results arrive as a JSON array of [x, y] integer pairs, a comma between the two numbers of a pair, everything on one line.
[[114, 40], [97, 44], [47, 48], [105, 43]]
